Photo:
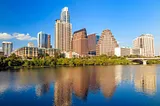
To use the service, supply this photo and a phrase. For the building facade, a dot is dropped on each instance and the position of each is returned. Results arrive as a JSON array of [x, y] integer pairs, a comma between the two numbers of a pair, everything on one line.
[[63, 31], [138, 52], [7, 48], [123, 51], [49, 41], [92, 41], [27, 52], [80, 42], [65, 16], [34, 51], [145, 41], [30, 44], [71, 54], [106, 44], [43, 40]]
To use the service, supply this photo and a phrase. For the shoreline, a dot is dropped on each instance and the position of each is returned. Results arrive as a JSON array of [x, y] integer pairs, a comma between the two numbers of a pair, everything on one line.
[[15, 62], [43, 67]]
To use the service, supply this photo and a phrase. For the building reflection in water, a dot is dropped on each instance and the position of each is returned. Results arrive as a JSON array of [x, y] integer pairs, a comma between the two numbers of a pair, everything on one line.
[[4, 81], [145, 80], [106, 80], [93, 83], [41, 89], [62, 89], [80, 80], [118, 74]]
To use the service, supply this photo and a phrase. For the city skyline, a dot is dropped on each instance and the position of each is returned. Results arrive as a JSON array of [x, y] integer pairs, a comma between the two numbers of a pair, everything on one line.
[[139, 19]]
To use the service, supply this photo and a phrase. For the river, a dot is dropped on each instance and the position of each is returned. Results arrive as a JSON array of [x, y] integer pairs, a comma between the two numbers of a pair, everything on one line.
[[132, 85]]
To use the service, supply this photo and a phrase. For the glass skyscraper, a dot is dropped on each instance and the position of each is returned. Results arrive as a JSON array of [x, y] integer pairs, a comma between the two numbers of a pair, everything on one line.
[[65, 17], [42, 40], [7, 48]]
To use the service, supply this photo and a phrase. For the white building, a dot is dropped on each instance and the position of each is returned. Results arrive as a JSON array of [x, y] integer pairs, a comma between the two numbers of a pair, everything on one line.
[[145, 41], [71, 54], [123, 51], [63, 31], [7, 48], [30, 44]]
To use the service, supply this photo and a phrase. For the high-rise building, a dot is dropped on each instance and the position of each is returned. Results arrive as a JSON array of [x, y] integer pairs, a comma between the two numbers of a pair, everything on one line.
[[49, 41], [145, 41], [65, 16], [97, 38], [63, 31], [80, 42], [30, 44], [43, 40], [106, 44], [7, 48], [92, 41]]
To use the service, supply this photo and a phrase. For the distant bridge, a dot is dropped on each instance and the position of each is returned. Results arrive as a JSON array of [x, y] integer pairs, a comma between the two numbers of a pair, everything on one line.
[[142, 60]]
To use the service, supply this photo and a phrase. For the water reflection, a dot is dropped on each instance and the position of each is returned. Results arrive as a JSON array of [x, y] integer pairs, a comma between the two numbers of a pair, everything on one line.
[[80, 81], [145, 80], [41, 89]]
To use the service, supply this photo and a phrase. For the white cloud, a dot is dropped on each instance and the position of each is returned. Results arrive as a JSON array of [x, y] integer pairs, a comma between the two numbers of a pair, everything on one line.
[[23, 36], [5, 36], [18, 36]]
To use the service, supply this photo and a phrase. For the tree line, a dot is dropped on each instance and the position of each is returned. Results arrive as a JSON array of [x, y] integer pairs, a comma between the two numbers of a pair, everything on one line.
[[14, 61]]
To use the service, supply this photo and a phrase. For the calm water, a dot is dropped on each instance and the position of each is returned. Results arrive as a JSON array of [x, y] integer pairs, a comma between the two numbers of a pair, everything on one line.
[[89, 86]]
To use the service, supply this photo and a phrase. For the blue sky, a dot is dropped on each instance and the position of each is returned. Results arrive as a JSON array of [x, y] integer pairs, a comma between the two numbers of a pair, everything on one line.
[[21, 20]]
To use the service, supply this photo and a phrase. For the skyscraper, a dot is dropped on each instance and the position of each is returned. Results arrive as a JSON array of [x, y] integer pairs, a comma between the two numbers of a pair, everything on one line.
[[92, 41], [7, 48], [43, 40], [106, 44], [146, 42], [63, 31], [80, 42], [65, 16], [49, 41]]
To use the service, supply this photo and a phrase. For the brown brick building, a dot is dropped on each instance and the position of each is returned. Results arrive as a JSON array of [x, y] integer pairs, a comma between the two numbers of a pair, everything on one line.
[[80, 42], [106, 44]]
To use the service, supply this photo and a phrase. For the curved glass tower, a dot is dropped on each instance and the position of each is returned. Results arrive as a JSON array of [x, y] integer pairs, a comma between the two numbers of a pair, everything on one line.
[[65, 17]]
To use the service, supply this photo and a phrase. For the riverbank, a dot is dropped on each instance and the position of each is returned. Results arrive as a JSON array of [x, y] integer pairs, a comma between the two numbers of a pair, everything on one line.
[[14, 62]]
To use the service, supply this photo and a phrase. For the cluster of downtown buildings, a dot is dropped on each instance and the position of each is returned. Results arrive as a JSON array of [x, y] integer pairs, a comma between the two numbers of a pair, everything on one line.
[[80, 44]]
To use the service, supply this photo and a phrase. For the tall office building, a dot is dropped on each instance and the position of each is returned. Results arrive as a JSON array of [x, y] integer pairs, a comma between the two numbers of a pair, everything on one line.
[[106, 44], [92, 41], [145, 41], [63, 31], [43, 40], [49, 41], [80, 42], [7, 48], [65, 16]]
